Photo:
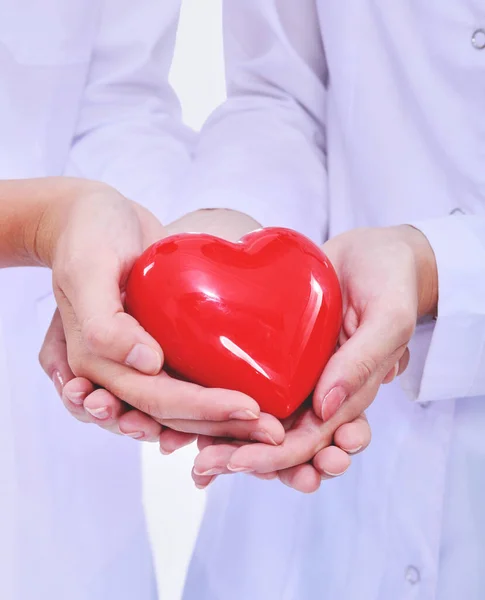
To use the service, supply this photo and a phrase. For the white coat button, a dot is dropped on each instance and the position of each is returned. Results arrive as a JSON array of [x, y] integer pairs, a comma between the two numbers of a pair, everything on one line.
[[425, 404], [478, 39], [457, 211], [412, 575]]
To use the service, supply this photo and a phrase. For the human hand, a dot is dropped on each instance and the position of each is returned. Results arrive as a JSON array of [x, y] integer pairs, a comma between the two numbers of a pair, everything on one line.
[[310, 453], [186, 408], [101, 407], [389, 279]]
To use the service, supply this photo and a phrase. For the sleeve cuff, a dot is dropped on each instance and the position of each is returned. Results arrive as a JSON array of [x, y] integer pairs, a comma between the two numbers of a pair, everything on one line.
[[452, 351]]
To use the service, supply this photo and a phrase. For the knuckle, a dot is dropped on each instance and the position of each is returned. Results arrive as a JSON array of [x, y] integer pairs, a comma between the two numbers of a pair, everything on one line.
[[364, 368], [79, 365], [200, 404], [143, 403], [97, 335]]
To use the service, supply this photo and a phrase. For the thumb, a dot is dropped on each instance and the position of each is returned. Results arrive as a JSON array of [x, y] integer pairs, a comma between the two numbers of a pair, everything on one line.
[[369, 354], [95, 308]]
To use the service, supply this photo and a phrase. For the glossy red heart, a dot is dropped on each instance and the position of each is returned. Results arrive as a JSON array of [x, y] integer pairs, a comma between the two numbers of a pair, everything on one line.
[[261, 316]]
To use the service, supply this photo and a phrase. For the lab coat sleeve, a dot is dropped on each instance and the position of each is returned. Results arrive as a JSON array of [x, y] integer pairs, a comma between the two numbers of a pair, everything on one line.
[[453, 347], [262, 151], [129, 132]]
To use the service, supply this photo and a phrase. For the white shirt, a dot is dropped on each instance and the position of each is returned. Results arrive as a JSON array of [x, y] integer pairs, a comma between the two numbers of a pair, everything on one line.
[[339, 115], [83, 91]]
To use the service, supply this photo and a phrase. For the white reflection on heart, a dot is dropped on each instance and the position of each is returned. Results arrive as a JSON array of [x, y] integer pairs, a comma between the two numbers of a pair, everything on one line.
[[148, 268], [240, 353]]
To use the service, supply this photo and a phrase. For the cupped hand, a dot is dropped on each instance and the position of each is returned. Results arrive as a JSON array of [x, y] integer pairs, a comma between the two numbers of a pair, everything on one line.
[[91, 241], [181, 410], [310, 453], [388, 278]]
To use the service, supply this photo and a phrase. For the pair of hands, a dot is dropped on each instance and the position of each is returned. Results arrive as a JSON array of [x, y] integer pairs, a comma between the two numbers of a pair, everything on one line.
[[108, 369]]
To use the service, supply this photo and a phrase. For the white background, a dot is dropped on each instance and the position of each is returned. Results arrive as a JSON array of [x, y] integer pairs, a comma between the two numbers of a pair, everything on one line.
[[174, 506]]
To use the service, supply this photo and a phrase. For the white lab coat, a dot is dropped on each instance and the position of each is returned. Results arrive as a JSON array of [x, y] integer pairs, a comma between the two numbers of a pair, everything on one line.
[[345, 114], [83, 91]]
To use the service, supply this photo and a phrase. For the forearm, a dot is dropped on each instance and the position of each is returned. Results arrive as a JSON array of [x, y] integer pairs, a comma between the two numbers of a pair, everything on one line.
[[228, 224], [263, 151], [130, 133], [31, 215]]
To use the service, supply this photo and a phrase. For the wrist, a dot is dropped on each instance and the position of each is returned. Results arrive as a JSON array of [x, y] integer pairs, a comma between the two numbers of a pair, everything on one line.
[[224, 223], [55, 202], [426, 268]]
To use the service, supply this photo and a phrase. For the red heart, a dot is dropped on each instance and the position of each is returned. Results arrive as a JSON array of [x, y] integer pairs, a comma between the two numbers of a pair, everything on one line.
[[261, 316]]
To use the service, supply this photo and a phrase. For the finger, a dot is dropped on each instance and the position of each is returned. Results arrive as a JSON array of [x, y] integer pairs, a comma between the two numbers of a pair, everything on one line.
[[213, 460], [204, 440], [77, 390], [120, 338], [202, 481], [331, 462], [73, 396], [105, 409], [392, 374], [170, 440], [373, 350], [267, 429], [94, 315], [398, 368], [266, 476], [404, 362], [353, 437], [53, 359], [164, 397], [300, 445], [53, 354], [139, 426], [109, 412], [355, 406], [303, 478]]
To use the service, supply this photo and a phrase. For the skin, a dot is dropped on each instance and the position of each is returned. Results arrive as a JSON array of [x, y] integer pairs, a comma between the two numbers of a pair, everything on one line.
[[110, 412], [389, 279], [90, 235]]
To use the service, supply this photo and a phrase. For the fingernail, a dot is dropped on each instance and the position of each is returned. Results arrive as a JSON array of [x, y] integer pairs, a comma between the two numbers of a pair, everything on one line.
[[76, 397], [136, 435], [216, 471], [335, 474], [101, 413], [263, 437], [354, 450], [243, 415], [58, 382], [332, 402], [144, 359], [236, 469], [165, 452]]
